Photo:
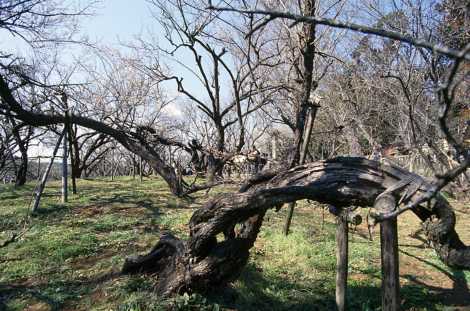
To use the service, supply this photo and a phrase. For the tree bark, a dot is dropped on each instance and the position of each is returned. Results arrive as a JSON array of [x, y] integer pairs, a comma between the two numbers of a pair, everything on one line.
[[215, 164], [22, 143], [73, 168], [202, 262], [308, 133], [21, 174], [308, 54], [308, 86], [303, 155]]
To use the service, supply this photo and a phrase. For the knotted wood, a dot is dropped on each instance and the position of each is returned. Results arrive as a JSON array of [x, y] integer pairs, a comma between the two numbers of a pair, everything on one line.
[[202, 262]]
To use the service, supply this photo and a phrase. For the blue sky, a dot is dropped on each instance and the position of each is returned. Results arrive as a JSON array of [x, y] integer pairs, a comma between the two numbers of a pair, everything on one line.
[[119, 20], [113, 21]]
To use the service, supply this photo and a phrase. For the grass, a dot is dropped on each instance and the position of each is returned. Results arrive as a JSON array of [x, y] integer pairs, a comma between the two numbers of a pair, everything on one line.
[[70, 255]]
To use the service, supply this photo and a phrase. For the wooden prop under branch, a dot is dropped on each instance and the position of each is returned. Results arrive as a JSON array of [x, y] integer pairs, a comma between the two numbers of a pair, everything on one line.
[[202, 262]]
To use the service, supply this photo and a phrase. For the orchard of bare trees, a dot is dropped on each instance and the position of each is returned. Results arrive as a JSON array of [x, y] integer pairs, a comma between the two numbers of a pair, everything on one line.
[[353, 104]]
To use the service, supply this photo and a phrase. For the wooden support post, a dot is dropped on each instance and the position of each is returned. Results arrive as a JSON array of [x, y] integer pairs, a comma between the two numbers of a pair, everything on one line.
[[308, 132], [290, 213], [141, 166], [274, 147], [341, 261], [389, 254], [39, 167], [303, 154], [112, 165], [64, 168], [40, 188], [133, 166]]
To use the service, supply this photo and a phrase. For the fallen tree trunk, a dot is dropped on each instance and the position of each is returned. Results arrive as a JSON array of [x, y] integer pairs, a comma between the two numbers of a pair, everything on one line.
[[202, 262]]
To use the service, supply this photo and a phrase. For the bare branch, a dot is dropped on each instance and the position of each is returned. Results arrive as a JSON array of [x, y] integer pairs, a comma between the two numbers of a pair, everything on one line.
[[464, 54]]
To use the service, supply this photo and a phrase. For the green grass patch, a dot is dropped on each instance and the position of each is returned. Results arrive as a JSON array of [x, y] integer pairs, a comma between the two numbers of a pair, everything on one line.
[[69, 255]]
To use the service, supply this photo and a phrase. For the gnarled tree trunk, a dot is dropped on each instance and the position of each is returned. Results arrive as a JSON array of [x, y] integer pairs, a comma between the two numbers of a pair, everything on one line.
[[201, 262]]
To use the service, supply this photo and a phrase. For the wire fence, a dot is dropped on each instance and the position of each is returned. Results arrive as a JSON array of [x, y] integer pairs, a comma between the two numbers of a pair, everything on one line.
[[36, 167]]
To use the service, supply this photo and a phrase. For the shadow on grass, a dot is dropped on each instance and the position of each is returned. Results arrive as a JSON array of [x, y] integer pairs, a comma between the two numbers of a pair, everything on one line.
[[258, 292], [54, 294], [166, 200], [8, 192], [51, 210], [12, 195], [254, 291], [458, 295], [128, 200]]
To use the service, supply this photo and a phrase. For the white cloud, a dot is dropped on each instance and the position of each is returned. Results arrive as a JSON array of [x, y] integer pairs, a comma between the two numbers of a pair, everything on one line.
[[172, 110]]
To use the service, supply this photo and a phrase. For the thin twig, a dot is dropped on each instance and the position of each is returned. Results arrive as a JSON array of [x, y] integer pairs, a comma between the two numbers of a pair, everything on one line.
[[463, 54]]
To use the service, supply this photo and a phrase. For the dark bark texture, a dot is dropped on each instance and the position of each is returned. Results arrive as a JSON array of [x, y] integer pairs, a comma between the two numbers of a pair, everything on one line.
[[201, 262]]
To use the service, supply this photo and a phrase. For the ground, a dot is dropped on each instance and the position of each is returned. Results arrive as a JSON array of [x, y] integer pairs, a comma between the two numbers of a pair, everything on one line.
[[69, 255]]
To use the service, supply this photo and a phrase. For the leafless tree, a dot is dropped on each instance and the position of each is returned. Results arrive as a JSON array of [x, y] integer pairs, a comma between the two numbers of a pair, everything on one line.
[[203, 261], [43, 22], [217, 56]]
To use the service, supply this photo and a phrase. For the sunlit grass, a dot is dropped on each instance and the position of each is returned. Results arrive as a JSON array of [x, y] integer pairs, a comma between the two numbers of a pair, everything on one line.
[[70, 254]]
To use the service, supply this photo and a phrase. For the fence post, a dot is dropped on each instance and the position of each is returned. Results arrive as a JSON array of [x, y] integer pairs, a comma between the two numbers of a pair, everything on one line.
[[64, 168], [341, 260], [389, 254]]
